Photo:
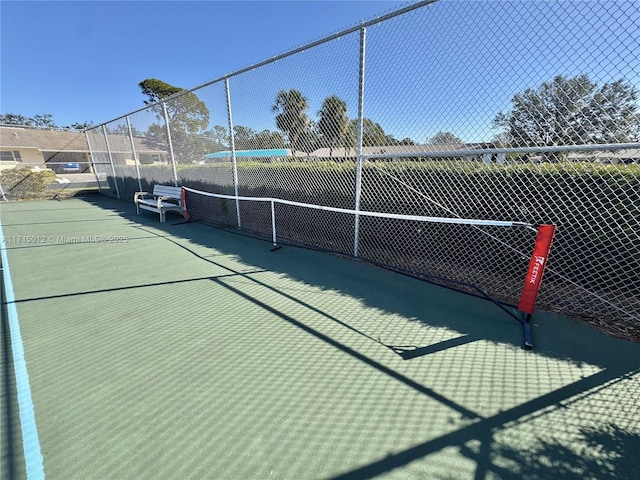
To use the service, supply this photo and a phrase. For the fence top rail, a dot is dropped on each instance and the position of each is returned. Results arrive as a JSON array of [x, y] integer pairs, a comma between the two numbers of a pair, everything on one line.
[[514, 150], [306, 46]]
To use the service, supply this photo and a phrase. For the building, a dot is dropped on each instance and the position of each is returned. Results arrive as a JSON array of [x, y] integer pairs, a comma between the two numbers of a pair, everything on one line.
[[66, 151], [391, 152]]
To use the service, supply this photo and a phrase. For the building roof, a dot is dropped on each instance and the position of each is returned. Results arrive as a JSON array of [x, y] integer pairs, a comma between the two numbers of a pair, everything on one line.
[[391, 150], [58, 140], [272, 152], [627, 154], [70, 141]]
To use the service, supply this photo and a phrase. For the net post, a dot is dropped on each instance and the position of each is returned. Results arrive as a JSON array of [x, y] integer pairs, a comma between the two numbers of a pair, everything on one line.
[[185, 211], [526, 326], [183, 197], [533, 279], [273, 226]]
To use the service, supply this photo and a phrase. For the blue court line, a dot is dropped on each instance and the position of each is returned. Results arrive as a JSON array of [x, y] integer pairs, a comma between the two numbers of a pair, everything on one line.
[[30, 443]]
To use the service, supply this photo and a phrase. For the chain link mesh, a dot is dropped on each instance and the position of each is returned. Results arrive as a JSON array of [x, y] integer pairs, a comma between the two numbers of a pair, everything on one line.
[[100, 159], [509, 111]]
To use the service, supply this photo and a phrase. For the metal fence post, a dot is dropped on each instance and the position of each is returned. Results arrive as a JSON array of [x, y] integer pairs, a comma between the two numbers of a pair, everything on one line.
[[232, 146], [173, 157], [358, 192], [135, 154], [113, 169]]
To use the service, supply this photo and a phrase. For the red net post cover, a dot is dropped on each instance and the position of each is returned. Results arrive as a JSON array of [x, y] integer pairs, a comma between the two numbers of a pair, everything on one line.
[[537, 265], [185, 213]]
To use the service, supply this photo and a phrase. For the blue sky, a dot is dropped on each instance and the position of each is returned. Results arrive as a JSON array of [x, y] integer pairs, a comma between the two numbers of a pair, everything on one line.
[[82, 61], [451, 66]]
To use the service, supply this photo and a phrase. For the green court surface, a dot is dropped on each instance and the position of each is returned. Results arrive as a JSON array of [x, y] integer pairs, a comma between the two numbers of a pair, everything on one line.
[[162, 351]]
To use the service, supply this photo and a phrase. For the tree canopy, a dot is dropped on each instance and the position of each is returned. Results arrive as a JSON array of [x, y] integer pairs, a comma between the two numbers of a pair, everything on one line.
[[372, 133], [188, 118], [186, 111], [44, 120], [444, 138], [157, 90], [37, 121], [246, 138], [572, 111], [333, 122], [391, 140], [292, 117]]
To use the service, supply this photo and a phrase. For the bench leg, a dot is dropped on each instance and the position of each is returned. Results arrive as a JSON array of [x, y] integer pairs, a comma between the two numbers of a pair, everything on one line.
[[162, 216]]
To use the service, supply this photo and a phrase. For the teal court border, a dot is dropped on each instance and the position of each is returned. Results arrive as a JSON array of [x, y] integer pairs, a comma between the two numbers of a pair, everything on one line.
[[30, 442]]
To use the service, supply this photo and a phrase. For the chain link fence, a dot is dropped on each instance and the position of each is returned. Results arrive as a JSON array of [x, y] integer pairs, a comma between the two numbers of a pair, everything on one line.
[[522, 112]]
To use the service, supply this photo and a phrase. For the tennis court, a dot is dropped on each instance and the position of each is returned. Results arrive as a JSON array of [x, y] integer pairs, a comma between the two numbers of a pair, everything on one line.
[[164, 351]]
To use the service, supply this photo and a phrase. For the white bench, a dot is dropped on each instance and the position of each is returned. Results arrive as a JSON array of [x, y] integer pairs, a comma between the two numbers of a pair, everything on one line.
[[164, 198]]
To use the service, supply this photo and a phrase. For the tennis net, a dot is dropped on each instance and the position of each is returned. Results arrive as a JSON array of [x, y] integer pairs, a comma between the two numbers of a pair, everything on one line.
[[484, 257]]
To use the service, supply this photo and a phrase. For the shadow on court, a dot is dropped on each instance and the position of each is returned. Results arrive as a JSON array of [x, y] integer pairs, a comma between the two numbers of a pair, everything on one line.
[[414, 299], [395, 376]]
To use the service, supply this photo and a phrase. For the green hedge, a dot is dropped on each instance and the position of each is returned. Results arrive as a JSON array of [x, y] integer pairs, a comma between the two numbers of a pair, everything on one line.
[[25, 184], [470, 189]]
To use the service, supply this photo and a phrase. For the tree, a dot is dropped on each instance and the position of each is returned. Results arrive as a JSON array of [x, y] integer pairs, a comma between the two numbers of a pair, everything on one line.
[[83, 125], [37, 121], [187, 110], [391, 140], [219, 135], [41, 121], [268, 139], [444, 138], [157, 90], [333, 121], [572, 111], [188, 117], [44, 121], [311, 139], [14, 119], [243, 137], [123, 129], [372, 134], [292, 118], [246, 138]]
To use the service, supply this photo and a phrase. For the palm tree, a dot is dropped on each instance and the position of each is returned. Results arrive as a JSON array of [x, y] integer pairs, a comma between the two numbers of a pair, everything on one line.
[[333, 120], [292, 119]]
